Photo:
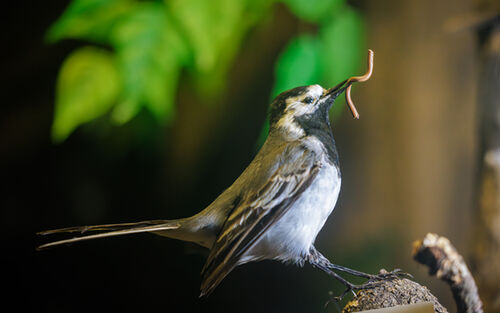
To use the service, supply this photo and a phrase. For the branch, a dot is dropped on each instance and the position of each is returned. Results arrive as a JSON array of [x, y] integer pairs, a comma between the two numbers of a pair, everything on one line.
[[446, 264], [391, 293]]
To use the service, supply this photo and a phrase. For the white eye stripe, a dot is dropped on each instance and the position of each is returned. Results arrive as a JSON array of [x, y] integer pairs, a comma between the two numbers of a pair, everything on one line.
[[298, 107], [315, 91], [299, 103]]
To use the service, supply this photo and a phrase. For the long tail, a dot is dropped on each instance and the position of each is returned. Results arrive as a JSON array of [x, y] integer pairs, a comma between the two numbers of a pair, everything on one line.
[[109, 230]]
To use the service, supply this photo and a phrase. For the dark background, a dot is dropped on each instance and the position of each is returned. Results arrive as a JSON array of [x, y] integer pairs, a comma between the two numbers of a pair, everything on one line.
[[408, 168]]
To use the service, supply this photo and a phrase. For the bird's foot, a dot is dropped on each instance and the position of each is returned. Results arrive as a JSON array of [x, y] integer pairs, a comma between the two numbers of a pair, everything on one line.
[[337, 299], [384, 275], [352, 288], [373, 281]]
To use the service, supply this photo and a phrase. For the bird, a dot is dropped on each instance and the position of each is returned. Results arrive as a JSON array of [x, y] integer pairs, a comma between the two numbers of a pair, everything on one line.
[[275, 209]]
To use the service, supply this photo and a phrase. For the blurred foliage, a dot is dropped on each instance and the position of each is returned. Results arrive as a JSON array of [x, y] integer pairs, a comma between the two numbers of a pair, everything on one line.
[[328, 57], [87, 86], [144, 46]]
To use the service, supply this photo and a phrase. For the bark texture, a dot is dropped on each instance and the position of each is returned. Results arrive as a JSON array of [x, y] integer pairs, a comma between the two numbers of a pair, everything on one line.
[[447, 264], [392, 293]]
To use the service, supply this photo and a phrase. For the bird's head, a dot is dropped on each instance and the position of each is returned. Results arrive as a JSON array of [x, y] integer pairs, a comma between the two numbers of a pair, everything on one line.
[[301, 110], [298, 110]]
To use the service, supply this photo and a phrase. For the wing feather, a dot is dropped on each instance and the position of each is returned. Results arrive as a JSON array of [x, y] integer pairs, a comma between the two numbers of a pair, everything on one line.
[[255, 215]]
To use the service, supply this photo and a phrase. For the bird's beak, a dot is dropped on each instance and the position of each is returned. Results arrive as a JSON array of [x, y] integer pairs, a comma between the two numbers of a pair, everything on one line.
[[334, 92], [329, 95]]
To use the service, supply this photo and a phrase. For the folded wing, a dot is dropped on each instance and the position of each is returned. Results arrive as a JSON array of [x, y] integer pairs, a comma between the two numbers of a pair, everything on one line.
[[257, 212]]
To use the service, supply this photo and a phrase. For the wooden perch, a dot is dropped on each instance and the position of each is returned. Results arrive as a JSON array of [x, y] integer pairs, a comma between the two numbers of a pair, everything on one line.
[[392, 293], [446, 264]]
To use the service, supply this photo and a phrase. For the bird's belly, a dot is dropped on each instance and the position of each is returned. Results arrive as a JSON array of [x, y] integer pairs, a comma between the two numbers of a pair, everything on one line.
[[292, 236]]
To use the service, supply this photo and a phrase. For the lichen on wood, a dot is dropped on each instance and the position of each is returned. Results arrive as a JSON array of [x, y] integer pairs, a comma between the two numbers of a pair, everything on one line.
[[391, 293]]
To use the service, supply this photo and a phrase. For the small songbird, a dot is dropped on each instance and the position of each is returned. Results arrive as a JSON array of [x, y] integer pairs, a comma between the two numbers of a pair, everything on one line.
[[277, 206]]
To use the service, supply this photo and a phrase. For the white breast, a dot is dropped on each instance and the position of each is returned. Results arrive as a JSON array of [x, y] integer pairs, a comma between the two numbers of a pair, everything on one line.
[[291, 238]]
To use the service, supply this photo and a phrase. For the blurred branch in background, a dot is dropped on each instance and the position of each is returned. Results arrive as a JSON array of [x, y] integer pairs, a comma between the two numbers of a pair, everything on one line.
[[444, 262], [487, 240], [141, 49]]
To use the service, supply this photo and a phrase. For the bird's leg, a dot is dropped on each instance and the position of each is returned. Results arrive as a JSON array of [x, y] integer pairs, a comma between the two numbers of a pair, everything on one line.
[[350, 271], [325, 267], [316, 259], [350, 287], [381, 276]]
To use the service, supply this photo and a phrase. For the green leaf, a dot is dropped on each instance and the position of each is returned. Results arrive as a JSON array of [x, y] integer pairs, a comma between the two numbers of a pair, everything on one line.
[[150, 55], [314, 10], [214, 30], [91, 20], [87, 87], [342, 49], [298, 65]]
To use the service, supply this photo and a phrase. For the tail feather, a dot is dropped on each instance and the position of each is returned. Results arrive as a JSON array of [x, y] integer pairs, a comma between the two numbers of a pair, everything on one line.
[[110, 230], [106, 227]]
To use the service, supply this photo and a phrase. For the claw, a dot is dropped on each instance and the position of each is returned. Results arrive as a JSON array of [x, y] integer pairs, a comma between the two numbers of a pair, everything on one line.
[[352, 288], [338, 299], [394, 274]]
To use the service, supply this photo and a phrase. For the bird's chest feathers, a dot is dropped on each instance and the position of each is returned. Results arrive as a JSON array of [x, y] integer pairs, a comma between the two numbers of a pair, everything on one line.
[[292, 236]]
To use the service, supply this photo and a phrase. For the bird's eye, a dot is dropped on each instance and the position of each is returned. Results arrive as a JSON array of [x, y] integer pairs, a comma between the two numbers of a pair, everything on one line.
[[308, 100]]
